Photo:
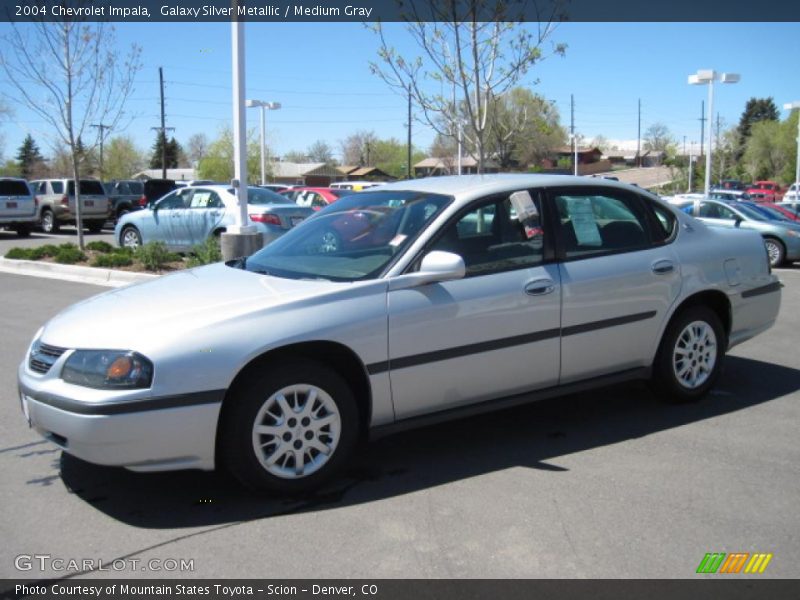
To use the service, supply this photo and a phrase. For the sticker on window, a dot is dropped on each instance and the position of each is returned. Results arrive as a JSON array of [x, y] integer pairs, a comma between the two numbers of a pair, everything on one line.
[[397, 240], [582, 217]]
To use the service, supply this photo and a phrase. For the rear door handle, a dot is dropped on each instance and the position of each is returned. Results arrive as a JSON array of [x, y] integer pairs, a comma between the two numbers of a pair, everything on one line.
[[539, 287], [661, 267]]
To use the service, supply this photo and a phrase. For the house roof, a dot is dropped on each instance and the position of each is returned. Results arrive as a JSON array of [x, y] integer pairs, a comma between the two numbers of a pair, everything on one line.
[[448, 162], [290, 169], [176, 174], [570, 150]]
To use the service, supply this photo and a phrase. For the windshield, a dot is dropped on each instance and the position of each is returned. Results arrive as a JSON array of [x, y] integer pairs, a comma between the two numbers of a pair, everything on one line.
[[354, 238], [750, 212]]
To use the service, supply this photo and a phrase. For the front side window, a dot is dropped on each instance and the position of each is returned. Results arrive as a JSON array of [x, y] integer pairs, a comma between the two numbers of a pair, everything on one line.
[[595, 223], [204, 199], [175, 200], [352, 239], [490, 238]]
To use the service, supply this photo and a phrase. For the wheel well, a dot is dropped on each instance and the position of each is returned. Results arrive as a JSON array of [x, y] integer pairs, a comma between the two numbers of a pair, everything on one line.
[[337, 356], [774, 239], [713, 299]]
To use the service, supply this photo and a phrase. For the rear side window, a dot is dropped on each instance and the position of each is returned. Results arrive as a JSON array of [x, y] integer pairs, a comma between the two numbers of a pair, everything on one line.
[[58, 187], [597, 222], [12, 187], [88, 187], [666, 222]]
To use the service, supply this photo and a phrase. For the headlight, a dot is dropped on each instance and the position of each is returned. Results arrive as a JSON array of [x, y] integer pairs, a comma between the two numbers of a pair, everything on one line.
[[108, 369]]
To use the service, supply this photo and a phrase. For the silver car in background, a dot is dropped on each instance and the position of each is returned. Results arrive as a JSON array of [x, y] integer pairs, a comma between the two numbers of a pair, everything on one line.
[[188, 216], [781, 238], [17, 206], [441, 297]]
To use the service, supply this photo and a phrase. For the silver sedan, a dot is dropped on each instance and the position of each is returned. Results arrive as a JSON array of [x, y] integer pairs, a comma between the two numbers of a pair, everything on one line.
[[188, 216], [441, 297]]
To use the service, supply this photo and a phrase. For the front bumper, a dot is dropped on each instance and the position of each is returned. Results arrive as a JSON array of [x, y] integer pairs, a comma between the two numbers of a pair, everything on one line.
[[149, 433]]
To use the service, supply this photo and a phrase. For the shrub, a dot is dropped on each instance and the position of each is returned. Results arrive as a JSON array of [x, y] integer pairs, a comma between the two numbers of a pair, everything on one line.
[[19, 254], [154, 256], [206, 253], [100, 246], [48, 250], [111, 260], [68, 254]]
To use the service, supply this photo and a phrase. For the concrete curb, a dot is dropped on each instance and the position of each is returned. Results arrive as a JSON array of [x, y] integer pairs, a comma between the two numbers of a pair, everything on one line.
[[93, 275]]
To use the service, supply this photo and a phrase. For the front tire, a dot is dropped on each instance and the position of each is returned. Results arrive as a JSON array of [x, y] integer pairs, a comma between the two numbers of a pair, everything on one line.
[[23, 230], [130, 238], [775, 251], [690, 356], [95, 226], [289, 428]]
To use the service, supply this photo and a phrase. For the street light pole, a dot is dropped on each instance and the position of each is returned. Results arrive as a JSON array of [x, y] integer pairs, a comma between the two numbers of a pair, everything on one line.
[[707, 77], [264, 106]]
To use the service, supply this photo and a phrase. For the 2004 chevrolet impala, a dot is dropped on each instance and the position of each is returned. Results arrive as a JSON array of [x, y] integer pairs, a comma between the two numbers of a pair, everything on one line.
[[420, 301]]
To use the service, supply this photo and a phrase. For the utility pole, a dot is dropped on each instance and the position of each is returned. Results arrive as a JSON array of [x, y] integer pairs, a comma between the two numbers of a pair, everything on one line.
[[702, 125], [408, 169], [639, 136], [163, 129], [719, 158], [572, 133], [102, 129]]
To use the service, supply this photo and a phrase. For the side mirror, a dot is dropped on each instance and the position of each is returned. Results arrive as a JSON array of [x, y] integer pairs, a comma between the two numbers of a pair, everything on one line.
[[436, 266], [737, 221]]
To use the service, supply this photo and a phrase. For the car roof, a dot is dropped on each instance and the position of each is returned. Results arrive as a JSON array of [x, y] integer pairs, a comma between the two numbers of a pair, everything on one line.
[[469, 186]]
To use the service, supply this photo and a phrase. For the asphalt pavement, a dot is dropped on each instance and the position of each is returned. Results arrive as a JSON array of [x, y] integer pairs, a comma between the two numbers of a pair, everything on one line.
[[605, 484]]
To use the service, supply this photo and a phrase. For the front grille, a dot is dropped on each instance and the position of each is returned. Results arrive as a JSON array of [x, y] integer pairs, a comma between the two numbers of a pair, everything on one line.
[[43, 357]]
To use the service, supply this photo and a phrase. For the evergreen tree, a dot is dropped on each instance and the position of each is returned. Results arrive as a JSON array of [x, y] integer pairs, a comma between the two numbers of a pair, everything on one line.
[[755, 111], [28, 157], [173, 152]]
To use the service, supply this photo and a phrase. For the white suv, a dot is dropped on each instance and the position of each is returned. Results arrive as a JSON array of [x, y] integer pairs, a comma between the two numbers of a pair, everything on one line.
[[17, 206]]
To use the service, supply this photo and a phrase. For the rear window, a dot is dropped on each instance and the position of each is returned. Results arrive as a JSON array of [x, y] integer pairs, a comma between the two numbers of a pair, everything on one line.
[[88, 187], [261, 196], [14, 188]]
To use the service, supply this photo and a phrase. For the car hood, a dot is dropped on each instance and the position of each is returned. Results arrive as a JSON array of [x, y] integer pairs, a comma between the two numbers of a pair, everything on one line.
[[145, 315]]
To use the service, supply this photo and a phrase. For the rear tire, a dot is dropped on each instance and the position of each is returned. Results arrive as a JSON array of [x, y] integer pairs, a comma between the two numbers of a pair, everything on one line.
[[95, 226], [23, 230], [288, 428], [690, 356], [49, 222]]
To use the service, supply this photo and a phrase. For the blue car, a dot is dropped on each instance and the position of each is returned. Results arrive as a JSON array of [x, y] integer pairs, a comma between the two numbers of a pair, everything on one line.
[[188, 216]]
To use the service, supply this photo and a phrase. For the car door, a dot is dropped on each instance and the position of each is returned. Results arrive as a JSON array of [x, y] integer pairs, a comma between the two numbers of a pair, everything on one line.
[[168, 221], [205, 214], [717, 214], [619, 276], [493, 333]]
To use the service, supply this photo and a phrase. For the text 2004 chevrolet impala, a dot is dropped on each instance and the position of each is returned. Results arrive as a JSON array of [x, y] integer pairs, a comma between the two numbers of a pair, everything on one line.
[[420, 301]]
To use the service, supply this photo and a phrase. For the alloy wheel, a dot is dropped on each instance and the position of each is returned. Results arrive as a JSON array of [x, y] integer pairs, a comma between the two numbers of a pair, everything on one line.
[[695, 354]]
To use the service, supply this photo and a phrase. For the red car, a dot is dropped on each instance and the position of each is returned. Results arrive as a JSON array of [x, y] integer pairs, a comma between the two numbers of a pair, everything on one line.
[[789, 214], [315, 197], [765, 191]]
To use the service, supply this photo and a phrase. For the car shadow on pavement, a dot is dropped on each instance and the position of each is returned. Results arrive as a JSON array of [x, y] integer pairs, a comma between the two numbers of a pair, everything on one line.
[[532, 436]]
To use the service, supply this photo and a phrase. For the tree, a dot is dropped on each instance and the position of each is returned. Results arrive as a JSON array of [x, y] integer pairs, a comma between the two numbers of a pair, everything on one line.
[[122, 158], [523, 128], [771, 150], [471, 52], [755, 111], [658, 138], [391, 156], [196, 148], [29, 158], [320, 151], [71, 75], [171, 157], [217, 164], [295, 156], [357, 149]]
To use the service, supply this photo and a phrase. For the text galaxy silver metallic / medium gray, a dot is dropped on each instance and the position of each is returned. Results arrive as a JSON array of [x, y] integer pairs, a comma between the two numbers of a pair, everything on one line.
[[416, 302]]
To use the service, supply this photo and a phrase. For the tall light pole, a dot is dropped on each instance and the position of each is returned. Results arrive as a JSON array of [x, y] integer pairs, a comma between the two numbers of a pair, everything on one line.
[[791, 106], [703, 77], [264, 106]]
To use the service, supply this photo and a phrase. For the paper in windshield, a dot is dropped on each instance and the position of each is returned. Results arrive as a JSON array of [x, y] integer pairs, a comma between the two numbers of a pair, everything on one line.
[[582, 217]]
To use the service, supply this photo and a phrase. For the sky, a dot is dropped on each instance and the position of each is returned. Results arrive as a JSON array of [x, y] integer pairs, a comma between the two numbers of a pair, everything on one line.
[[320, 74]]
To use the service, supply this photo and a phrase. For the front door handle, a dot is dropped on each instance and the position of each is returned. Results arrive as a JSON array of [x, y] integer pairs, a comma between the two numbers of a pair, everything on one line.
[[539, 287], [662, 267]]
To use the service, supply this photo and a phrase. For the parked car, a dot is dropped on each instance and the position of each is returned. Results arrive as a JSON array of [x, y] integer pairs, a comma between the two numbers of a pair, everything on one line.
[[732, 184], [126, 196], [765, 191], [492, 291], [17, 206], [276, 187], [729, 195], [356, 186], [775, 211], [57, 203], [782, 240], [314, 197], [188, 216], [155, 189], [791, 194], [195, 182]]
